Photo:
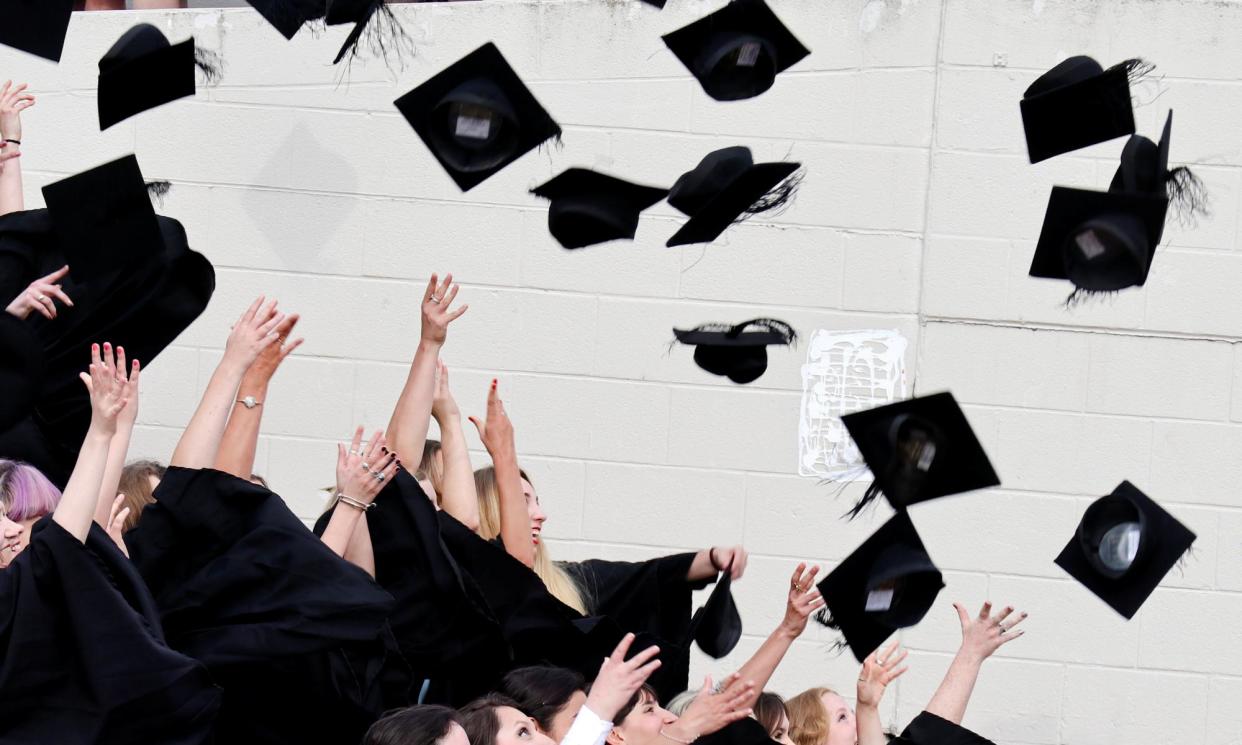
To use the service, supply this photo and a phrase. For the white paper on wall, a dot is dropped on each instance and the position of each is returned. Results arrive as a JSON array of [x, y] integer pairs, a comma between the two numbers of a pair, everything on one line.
[[845, 371]]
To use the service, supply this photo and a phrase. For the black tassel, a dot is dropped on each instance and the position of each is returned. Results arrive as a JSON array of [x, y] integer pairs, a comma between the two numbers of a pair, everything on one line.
[[210, 63], [1188, 196], [778, 327], [157, 190], [382, 34], [1137, 69], [778, 197], [823, 617], [868, 498], [1081, 296]]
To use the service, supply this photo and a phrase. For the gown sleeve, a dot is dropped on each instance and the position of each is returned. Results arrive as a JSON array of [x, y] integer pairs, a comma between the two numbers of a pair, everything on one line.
[[82, 655], [929, 729]]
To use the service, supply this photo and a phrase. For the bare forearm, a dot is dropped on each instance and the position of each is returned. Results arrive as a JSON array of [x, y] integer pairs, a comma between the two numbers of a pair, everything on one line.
[[762, 664], [870, 729], [337, 536], [457, 495], [514, 519], [407, 429], [951, 698], [200, 442], [76, 509], [118, 448], [702, 567], [241, 434], [11, 197], [359, 553]]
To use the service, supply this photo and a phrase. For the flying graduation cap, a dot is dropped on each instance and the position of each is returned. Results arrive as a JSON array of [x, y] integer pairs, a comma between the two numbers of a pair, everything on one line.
[[919, 449], [1078, 103], [888, 583], [372, 17], [737, 352], [476, 116], [37, 26], [717, 627], [736, 52], [590, 207], [727, 187], [1124, 545], [143, 70]]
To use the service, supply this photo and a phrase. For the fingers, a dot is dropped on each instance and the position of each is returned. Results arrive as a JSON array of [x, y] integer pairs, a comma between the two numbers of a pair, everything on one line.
[[480, 427], [796, 580], [452, 293], [887, 652], [356, 441], [457, 313], [623, 648], [961, 614], [121, 370], [642, 658], [431, 288], [47, 288], [373, 447], [287, 349], [890, 677], [999, 618], [252, 310], [986, 610], [1006, 628], [86, 380], [57, 275]]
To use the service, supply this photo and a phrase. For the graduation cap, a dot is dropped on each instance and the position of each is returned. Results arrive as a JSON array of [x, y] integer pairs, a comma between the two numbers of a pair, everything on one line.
[[746, 731], [37, 26], [476, 116], [288, 16], [373, 17], [888, 583], [929, 729], [589, 207], [717, 627], [1076, 104], [919, 449], [733, 351], [21, 369], [142, 71], [1106, 241], [736, 52], [1124, 545], [726, 187], [103, 217]]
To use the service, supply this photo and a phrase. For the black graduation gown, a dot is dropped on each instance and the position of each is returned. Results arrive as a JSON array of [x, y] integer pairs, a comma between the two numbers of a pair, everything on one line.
[[140, 304], [929, 729], [442, 625], [295, 635], [82, 656]]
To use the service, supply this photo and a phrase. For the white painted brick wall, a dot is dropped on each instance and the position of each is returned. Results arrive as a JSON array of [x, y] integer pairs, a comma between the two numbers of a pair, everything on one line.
[[919, 213]]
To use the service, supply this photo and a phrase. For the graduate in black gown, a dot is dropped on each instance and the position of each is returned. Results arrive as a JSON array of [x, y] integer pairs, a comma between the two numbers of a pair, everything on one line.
[[83, 658]]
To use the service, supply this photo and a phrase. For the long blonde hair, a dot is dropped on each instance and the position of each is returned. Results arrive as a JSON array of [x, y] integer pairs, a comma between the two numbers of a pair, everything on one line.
[[559, 582], [808, 720]]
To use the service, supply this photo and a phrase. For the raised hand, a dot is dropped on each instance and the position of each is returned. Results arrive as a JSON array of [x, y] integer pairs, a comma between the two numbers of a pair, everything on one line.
[[13, 101], [270, 357], [41, 296], [712, 711], [726, 557], [985, 633], [497, 432], [619, 679], [109, 393], [362, 472], [804, 599], [116, 366], [116, 523], [437, 314], [878, 670], [443, 405], [253, 332]]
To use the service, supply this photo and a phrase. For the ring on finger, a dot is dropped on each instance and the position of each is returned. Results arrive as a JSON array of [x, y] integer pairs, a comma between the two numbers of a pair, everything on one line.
[[40, 298], [366, 466], [379, 476]]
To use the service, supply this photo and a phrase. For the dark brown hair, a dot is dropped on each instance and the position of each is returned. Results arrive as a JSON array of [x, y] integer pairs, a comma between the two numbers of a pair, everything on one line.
[[479, 718], [769, 710], [645, 692], [414, 725]]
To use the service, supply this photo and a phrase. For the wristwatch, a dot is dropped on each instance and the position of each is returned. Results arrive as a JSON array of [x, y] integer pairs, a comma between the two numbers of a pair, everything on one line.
[[249, 402]]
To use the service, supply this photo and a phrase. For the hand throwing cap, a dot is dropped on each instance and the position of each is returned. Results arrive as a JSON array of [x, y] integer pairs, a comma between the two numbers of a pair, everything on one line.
[[589, 207], [919, 449], [888, 583], [733, 351], [142, 71], [36, 26], [717, 627], [1124, 545], [477, 117], [737, 52], [726, 187], [1076, 104]]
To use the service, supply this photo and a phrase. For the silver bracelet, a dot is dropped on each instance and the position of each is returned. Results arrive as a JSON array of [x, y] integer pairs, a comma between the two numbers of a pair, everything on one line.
[[355, 503], [667, 736]]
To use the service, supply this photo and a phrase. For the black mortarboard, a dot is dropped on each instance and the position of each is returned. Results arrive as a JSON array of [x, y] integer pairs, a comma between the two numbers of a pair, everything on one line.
[[288, 16], [589, 207], [476, 116], [717, 627], [1076, 104], [746, 731], [919, 449], [36, 26], [888, 583], [736, 52], [733, 351], [1124, 545], [21, 369], [142, 71], [727, 186], [1106, 241], [929, 729], [103, 217], [368, 16]]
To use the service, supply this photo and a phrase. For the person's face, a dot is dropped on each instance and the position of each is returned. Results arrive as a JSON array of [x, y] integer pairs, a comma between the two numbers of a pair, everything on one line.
[[518, 729], [643, 724], [780, 733], [842, 729], [455, 736], [537, 518], [565, 717], [13, 538]]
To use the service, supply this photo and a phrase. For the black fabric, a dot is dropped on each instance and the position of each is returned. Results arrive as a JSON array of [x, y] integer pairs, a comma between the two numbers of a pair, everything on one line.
[[929, 729], [142, 71], [746, 731], [84, 659], [21, 369], [294, 634], [36, 26]]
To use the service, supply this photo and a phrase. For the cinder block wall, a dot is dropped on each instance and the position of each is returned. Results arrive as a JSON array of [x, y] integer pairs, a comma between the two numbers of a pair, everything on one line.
[[919, 213]]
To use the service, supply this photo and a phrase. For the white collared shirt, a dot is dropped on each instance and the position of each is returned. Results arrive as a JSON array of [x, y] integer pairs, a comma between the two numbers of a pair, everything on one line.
[[587, 729]]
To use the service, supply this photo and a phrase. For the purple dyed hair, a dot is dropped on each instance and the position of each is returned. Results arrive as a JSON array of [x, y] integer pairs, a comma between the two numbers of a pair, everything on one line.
[[25, 491]]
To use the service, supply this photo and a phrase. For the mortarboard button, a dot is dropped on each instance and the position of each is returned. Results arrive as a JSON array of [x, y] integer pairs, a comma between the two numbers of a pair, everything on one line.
[[476, 116], [733, 351], [590, 207], [1076, 104], [736, 52], [142, 71], [37, 26], [725, 186]]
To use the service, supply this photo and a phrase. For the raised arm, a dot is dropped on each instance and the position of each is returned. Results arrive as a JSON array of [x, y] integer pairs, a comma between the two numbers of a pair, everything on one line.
[[981, 636], [41, 296], [457, 492], [253, 332], [407, 429], [113, 365], [13, 101], [241, 435], [803, 600], [709, 561], [109, 394], [497, 436], [360, 475], [879, 669]]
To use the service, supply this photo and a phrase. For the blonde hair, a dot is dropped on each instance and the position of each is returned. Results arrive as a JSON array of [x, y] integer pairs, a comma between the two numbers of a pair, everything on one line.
[[559, 583], [431, 467], [136, 486], [808, 719]]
